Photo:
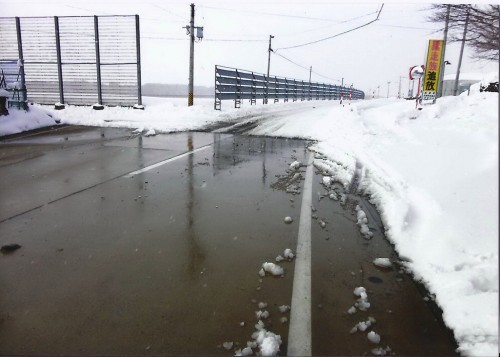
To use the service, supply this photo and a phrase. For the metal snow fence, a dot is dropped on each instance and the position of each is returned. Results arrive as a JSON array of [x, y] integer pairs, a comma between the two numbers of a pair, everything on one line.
[[79, 60], [236, 84]]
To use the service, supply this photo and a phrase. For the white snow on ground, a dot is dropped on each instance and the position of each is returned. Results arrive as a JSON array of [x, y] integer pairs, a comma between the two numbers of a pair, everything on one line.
[[20, 120], [432, 174]]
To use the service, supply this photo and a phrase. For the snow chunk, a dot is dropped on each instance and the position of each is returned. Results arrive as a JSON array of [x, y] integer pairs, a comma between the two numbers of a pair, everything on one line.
[[284, 308], [288, 219], [382, 262], [270, 344], [352, 310], [362, 305], [273, 269], [359, 290], [150, 132], [262, 273], [363, 223], [379, 351], [363, 325], [247, 351], [295, 165], [227, 345], [327, 181], [259, 326], [288, 254], [373, 337], [262, 305], [279, 258], [284, 320], [262, 314]]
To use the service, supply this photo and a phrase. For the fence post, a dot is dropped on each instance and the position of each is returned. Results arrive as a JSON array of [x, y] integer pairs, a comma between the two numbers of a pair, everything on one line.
[[21, 59], [99, 105], [138, 51], [59, 105]]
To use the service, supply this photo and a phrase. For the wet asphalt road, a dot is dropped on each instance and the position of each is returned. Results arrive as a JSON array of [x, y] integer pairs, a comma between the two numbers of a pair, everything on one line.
[[165, 261]]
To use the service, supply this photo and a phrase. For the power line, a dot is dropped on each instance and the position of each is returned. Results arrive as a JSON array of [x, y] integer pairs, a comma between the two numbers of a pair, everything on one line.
[[306, 68], [268, 13], [330, 37], [169, 12]]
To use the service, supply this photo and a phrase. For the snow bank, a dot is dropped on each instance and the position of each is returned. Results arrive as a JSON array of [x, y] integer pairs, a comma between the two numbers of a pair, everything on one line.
[[20, 120]]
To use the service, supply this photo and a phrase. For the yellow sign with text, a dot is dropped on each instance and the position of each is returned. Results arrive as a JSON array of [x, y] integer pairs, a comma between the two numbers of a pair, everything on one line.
[[432, 69]]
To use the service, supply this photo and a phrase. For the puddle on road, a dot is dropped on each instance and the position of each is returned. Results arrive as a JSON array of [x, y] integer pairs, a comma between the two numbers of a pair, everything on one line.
[[165, 262]]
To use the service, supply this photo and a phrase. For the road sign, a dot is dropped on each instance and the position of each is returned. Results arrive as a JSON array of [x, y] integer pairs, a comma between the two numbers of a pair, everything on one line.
[[432, 68]]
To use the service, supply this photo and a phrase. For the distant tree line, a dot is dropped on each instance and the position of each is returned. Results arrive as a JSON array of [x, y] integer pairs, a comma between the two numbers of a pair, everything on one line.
[[482, 26]]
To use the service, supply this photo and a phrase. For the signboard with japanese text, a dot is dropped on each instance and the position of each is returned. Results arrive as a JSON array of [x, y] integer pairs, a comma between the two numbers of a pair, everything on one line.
[[432, 68]]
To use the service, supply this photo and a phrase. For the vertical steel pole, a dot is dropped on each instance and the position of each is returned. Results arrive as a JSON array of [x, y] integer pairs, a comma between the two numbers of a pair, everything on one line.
[[59, 63], [97, 60], [269, 55], [310, 72], [445, 39], [269, 49], [457, 77], [138, 52], [21, 59], [191, 59]]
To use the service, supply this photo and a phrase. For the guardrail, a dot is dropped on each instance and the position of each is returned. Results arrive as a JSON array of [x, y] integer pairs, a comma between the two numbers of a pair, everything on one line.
[[236, 84]]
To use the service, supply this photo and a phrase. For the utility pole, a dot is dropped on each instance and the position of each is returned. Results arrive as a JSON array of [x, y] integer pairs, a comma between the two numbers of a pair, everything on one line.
[[310, 71], [457, 78], [191, 58], [439, 93], [199, 33], [269, 54], [388, 86], [378, 91]]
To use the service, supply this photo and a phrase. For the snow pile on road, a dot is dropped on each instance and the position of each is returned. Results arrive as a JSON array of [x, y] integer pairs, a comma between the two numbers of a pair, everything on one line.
[[433, 176], [363, 223], [382, 262], [272, 269], [20, 120]]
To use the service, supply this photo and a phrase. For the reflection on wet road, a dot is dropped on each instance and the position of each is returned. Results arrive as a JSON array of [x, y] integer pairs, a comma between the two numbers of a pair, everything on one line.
[[166, 260]]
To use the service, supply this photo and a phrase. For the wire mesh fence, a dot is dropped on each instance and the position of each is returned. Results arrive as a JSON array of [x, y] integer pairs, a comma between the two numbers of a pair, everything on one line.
[[80, 60]]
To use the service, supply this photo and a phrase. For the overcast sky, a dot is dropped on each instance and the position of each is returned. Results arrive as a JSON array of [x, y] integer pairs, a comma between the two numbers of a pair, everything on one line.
[[236, 34]]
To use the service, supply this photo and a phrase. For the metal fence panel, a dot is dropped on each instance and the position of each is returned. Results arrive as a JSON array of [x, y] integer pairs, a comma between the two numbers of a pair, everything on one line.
[[77, 59], [8, 42]]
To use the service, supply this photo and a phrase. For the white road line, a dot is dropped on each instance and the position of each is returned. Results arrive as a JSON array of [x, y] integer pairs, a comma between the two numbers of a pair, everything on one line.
[[299, 334], [161, 163]]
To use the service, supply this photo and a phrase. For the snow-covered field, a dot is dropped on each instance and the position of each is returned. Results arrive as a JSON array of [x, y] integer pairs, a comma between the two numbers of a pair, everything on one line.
[[433, 175]]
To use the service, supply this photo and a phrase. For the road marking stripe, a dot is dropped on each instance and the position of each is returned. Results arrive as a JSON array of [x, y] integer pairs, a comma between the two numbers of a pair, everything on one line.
[[299, 334], [161, 163]]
